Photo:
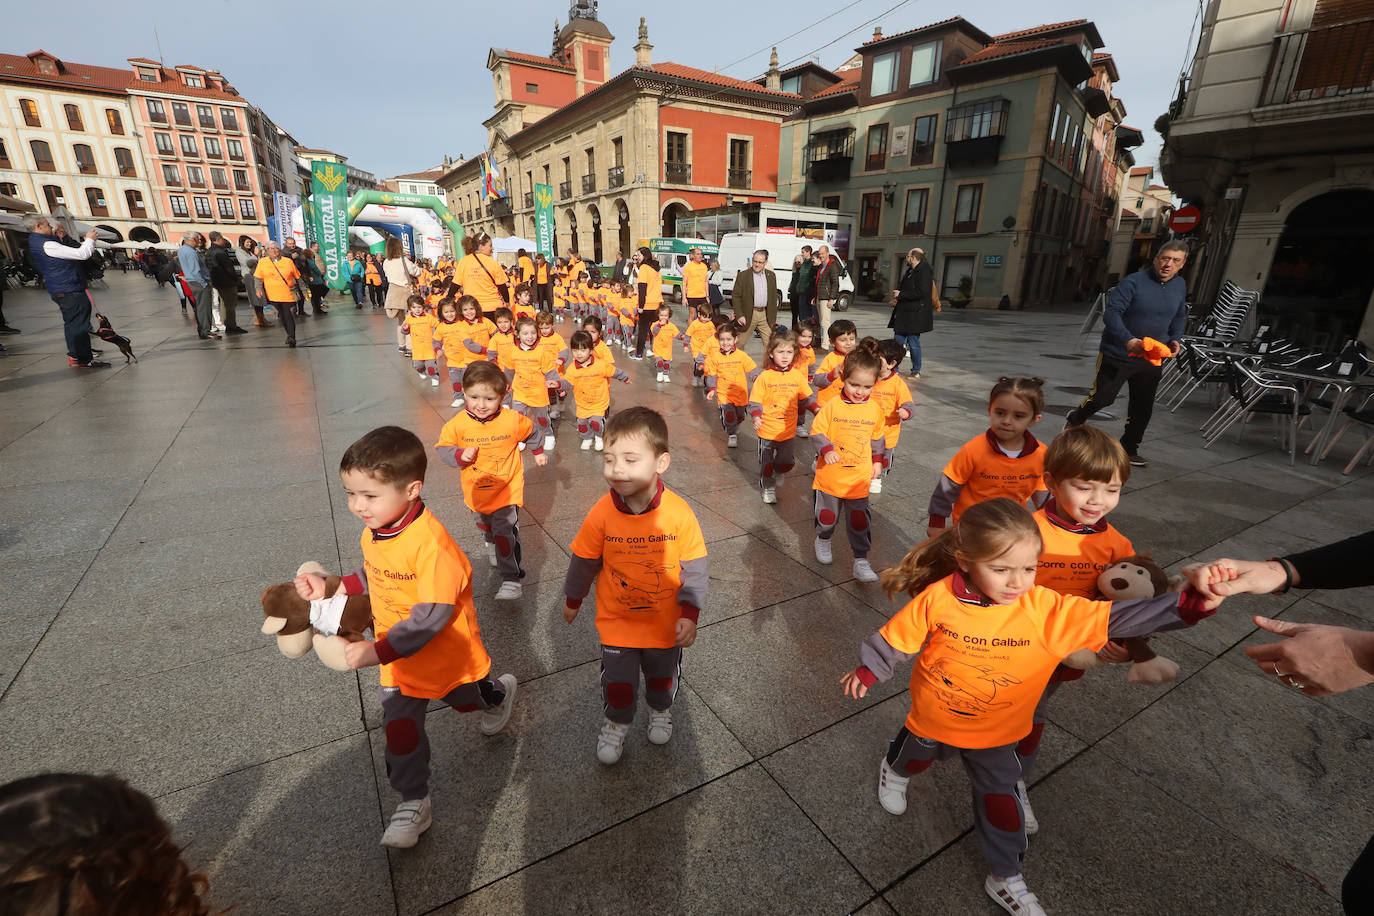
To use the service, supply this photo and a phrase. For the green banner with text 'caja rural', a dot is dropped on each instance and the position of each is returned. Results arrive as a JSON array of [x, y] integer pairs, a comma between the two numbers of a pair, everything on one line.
[[330, 200]]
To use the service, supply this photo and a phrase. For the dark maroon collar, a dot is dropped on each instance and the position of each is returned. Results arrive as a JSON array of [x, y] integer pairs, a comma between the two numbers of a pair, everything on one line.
[[775, 368], [387, 532], [590, 359], [965, 592], [1027, 447], [653, 503], [474, 416], [1059, 520], [844, 396]]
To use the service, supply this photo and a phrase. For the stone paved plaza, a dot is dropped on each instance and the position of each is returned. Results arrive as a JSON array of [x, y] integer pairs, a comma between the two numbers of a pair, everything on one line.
[[144, 508]]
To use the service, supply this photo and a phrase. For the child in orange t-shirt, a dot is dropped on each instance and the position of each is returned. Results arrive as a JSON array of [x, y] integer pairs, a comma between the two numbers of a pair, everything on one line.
[[643, 546], [472, 336], [484, 442], [894, 396], [844, 337], [553, 342], [986, 639], [533, 371], [448, 335], [847, 433], [522, 303], [700, 334], [589, 375], [427, 639], [502, 339], [663, 332], [593, 325], [728, 374], [806, 360], [420, 324], [1005, 461], [629, 317], [777, 397]]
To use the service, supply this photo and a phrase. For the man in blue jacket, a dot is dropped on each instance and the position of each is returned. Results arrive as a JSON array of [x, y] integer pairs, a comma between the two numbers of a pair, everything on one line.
[[1148, 303], [66, 283]]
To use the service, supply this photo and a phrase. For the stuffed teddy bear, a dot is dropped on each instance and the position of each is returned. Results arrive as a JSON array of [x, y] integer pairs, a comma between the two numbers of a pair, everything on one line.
[[326, 625], [1134, 577]]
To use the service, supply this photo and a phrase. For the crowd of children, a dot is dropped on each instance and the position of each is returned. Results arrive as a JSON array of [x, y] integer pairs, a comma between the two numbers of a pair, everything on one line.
[[989, 620]]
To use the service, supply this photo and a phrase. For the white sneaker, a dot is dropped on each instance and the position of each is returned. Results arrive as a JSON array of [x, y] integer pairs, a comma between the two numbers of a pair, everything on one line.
[[891, 789], [456, 402], [802, 433], [510, 591], [586, 445], [491, 552], [1027, 815], [599, 443], [410, 819], [823, 554], [875, 485], [548, 443], [493, 720], [434, 383], [863, 571], [610, 743], [732, 442], [1013, 896], [660, 726], [770, 496]]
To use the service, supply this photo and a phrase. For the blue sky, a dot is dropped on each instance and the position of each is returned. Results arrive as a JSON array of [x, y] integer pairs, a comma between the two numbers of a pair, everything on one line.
[[421, 89]]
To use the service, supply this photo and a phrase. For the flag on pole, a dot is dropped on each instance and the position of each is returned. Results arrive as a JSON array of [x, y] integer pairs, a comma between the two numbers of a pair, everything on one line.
[[492, 185]]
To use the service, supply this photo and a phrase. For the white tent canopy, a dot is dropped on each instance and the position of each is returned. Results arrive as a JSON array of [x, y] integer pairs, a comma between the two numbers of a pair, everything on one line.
[[512, 244]]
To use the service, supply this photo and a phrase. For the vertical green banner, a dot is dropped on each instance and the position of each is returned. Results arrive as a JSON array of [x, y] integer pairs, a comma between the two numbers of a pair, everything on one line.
[[330, 198], [543, 219], [308, 221]]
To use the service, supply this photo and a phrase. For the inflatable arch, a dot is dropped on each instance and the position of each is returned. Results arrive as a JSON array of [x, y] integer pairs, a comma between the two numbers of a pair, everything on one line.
[[425, 215]]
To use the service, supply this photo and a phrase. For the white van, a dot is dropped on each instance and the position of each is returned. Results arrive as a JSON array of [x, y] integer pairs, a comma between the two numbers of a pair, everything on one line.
[[737, 250]]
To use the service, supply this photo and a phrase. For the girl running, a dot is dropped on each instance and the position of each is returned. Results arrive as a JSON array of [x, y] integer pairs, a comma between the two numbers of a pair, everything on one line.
[[729, 373], [775, 401]]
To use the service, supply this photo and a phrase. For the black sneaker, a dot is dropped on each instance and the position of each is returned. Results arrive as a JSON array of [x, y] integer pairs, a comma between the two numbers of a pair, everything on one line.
[[1138, 461], [291, 342], [236, 331]]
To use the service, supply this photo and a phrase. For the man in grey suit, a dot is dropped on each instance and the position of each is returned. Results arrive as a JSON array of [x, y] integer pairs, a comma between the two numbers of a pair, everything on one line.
[[756, 297]]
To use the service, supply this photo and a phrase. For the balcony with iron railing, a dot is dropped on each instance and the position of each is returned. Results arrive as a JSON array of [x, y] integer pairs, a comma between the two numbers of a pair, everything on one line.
[[499, 206], [588, 184], [677, 172], [564, 190], [1321, 63], [615, 176], [830, 155], [739, 178]]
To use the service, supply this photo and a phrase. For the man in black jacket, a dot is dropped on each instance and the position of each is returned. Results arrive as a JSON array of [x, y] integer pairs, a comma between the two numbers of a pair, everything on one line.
[[224, 277], [912, 311]]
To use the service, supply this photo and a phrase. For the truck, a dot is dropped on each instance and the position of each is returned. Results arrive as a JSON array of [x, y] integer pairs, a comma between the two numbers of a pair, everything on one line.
[[737, 249]]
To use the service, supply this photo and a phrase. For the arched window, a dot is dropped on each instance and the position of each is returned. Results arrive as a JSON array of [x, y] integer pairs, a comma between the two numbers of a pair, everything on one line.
[[73, 117], [113, 119], [85, 158], [124, 159], [42, 156], [95, 200], [135, 201], [30, 109], [53, 194]]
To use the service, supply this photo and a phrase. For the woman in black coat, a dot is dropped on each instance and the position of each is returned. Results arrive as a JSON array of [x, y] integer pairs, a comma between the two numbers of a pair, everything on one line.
[[912, 311]]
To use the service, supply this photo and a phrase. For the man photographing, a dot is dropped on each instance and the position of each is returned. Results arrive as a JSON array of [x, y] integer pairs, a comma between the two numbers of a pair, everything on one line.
[[62, 271]]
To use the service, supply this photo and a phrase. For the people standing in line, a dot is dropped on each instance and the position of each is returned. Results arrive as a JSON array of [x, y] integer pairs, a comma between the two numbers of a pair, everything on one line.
[[481, 275], [803, 287], [279, 282], [224, 276], [649, 282], [1148, 304], [401, 273], [372, 278], [913, 314], [827, 285], [252, 254], [197, 277], [756, 297], [356, 278], [694, 286], [66, 285]]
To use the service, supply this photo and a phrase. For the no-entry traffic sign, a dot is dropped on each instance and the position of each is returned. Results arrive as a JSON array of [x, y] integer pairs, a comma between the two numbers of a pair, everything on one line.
[[1185, 219]]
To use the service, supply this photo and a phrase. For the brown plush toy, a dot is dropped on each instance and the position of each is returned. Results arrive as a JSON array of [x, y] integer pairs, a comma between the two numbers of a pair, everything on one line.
[[1134, 577], [325, 625]]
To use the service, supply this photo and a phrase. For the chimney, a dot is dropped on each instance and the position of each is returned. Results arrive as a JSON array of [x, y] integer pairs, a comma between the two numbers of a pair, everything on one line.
[[877, 32], [771, 80], [643, 58]]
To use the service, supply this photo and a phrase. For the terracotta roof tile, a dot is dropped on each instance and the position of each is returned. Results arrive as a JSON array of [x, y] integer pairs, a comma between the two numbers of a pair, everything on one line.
[[682, 71], [912, 31], [848, 83], [1098, 55], [1010, 48], [1141, 170], [427, 175], [109, 79], [1035, 30], [533, 59]]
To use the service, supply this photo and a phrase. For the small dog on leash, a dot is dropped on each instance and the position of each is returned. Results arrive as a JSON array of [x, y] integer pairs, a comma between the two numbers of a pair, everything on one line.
[[107, 333]]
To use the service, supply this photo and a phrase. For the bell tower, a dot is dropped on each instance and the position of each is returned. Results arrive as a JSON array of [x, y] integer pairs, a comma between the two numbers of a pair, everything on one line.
[[585, 45]]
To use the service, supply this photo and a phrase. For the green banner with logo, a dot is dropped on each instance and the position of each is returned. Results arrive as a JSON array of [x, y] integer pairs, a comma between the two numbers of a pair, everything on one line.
[[308, 221], [330, 199], [543, 219]]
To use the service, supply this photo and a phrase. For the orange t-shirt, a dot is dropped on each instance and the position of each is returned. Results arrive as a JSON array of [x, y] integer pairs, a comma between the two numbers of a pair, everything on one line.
[[981, 670], [694, 279], [422, 565], [651, 278], [591, 385], [664, 335], [700, 334], [496, 477], [641, 568], [449, 335], [541, 273], [731, 371], [479, 276], [278, 278], [778, 393], [502, 343], [526, 269], [421, 331], [853, 431], [890, 393], [603, 352], [629, 306], [1072, 560], [372, 275], [985, 472], [826, 389], [555, 344], [479, 332], [805, 358], [531, 368]]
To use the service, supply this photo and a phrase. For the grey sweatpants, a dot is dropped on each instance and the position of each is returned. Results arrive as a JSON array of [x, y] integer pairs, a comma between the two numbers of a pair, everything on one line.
[[992, 773], [539, 416], [502, 528], [455, 378], [407, 745], [590, 427], [1028, 748], [857, 521], [775, 459], [426, 367], [620, 669], [731, 416]]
